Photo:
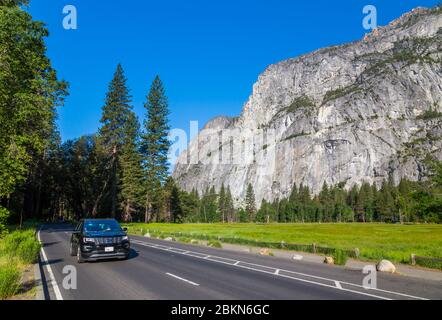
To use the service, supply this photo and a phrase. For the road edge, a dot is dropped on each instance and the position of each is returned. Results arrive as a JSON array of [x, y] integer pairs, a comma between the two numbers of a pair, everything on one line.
[[39, 291], [51, 280]]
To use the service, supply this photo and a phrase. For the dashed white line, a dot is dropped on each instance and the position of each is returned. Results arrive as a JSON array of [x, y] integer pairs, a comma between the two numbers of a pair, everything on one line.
[[54, 284], [182, 279], [338, 285]]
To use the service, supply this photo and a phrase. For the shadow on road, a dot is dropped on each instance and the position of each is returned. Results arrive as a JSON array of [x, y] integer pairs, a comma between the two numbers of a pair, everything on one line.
[[48, 244], [51, 261], [133, 254]]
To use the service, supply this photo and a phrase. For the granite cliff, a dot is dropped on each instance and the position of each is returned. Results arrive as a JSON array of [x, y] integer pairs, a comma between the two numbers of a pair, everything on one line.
[[356, 112]]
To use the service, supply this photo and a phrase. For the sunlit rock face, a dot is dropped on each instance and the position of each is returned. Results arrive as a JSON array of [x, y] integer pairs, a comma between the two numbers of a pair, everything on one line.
[[345, 114]]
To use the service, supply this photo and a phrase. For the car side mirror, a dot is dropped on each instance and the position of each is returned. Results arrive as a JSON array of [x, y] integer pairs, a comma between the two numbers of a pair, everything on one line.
[[125, 229]]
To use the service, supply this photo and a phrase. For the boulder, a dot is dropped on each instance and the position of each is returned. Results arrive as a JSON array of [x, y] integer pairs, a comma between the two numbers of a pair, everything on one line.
[[386, 266], [193, 241], [329, 260], [265, 252], [297, 257], [168, 239], [147, 235]]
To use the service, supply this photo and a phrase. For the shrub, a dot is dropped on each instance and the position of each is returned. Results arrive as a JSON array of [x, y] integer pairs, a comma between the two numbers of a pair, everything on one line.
[[11, 242], [21, 244], [28, 250], [340, 257], [214, 244], [184, 240], [430, 114], [9, 281]]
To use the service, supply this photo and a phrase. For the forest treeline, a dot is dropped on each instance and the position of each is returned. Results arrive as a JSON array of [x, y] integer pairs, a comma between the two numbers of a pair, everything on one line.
[[122, 171], [408, 202]]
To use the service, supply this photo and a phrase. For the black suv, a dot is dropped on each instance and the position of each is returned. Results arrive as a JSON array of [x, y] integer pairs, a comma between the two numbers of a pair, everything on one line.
[[95, 239]]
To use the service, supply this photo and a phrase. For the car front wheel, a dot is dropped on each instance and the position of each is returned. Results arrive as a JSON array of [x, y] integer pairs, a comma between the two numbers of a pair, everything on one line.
[[79, 256], [72, 251]]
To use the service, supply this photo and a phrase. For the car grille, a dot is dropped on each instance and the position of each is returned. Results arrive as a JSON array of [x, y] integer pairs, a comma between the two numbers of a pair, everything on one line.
[[108, 240]]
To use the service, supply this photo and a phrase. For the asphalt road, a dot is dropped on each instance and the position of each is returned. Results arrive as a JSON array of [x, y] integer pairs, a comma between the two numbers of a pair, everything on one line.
[[163, 270]]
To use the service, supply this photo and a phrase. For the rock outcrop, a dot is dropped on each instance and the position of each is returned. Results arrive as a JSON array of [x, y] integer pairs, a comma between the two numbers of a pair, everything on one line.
[[357, 112]]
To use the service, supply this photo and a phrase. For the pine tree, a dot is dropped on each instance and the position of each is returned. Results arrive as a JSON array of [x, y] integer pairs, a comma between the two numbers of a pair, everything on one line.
[[262, 213], [229, 206], [209, 205], [385, 203], [352, 200], [155, 146], [173, 202], [250, 203], [190, 204], [222, 204], [324, 199], [132, 179], [212, 205], [242, 214], [112, 133], [365, 202]]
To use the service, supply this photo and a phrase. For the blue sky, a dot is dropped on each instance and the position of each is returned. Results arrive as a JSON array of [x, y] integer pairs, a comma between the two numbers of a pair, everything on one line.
[[208, 52]]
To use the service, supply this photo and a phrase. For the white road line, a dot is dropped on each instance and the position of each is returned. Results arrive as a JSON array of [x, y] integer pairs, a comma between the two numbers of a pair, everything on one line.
[[333, 285], [338, 285], [182, 279], [54, 284], [277, 271]]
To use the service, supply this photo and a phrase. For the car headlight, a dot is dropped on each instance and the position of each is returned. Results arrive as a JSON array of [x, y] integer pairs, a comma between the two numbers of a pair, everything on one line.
[[125, 238], [86, 240]]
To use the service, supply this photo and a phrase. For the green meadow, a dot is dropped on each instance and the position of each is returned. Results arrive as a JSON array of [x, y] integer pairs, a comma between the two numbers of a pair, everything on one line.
[[375, 241]]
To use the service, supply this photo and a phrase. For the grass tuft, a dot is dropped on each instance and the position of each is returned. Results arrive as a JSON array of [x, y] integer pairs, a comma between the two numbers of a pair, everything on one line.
[[214, 244], [340, 257], [21, 245], [9, 280]]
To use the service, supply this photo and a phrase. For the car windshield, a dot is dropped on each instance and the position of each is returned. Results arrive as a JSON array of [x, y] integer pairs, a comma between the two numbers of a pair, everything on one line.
[[101, 226]]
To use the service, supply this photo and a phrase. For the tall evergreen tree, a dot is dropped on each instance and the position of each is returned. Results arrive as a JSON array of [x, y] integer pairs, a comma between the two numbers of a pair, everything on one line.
[[250, 203], [175, 205], [222, 204], [132, 175], [155, 146], [116, 111], [190, 204], [366, 202], [174, 208], [229, 207], [385, 204]]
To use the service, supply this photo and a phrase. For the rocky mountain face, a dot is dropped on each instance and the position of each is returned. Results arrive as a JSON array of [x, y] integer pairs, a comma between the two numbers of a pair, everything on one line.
[[357, 112]]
